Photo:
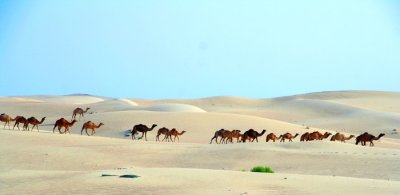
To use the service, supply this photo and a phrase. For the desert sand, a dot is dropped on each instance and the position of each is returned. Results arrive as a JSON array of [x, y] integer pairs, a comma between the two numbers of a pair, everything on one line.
[[40, 162]]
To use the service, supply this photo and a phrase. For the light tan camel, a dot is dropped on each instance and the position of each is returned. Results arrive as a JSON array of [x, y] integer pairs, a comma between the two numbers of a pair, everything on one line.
[[80, 112], [175, 133], [6, 119], [33, 121], [18, 120], [272, 137], [340, 137], [164, 131], [62, 122], [288, 136], [141, 128], [90, 125], [366, 137]]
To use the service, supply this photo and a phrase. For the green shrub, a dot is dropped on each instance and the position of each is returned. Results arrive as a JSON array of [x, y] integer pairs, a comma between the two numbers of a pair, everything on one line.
[[262, 169]]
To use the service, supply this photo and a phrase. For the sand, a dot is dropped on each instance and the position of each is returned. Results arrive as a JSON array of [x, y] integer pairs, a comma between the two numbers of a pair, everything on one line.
[[41, 162]]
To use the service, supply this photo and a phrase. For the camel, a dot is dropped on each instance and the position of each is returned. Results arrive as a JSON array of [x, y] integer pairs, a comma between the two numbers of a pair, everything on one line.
[[165, 132], [288, 136], [141, 128], [79, 111], [272, 137], [62, 122], [304, 137], [175, 133], [6, 119], [366, 137], [252, 135], [90, 125], [220, 133], [340, 137], [18, 120], [235, 134], [229, 135], [32, 120], [317, 136]]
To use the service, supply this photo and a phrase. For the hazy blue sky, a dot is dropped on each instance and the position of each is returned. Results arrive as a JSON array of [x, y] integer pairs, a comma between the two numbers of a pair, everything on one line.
[[184, 49]]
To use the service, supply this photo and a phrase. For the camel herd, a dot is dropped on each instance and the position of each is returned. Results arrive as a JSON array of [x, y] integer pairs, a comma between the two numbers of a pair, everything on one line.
[[60, 123], [251, 135], [225, 135]]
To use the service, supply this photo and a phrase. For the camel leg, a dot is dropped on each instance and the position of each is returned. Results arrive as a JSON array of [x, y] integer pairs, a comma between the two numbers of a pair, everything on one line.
[[87, 132], [212, 139], [93, 131]]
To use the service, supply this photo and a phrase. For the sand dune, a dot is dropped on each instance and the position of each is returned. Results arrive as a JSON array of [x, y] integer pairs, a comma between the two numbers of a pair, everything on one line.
[[43, 162]]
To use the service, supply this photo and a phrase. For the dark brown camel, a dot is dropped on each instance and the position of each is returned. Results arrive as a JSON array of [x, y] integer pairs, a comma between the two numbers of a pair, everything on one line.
[[164, 131], [252, 135], [304, 137], [366, 137], [6, 119], [80, 112], [141, 128], [92, 126], [340, 137], [288, 136], [18, 120], [272, 137], [318, 136], [220, 133], [175, 133], [33, 121], [62, 122]]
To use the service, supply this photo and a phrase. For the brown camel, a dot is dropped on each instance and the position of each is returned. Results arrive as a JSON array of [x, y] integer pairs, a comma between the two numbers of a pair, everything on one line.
[[92, 126], [18, 120], [272, 137], [366, 137], [318, 136], [340, 137], [288, 136], [175, 133], [79, 111], [32, 120], [141, 128], [220, 133], [252, 135], [304, 137], [229, 135], [164, 131], [62, 122], [235, 134], [6, 119]]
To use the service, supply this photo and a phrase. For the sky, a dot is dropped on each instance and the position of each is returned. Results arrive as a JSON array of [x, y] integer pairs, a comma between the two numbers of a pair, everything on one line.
[[191, 49]]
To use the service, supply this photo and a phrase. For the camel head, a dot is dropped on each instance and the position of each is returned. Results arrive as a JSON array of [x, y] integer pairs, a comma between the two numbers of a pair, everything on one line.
[[381, 135], [87, 109], [152, 127], [101, 124], [262, 132], [182, 132], [296, 135], [351, 136]]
